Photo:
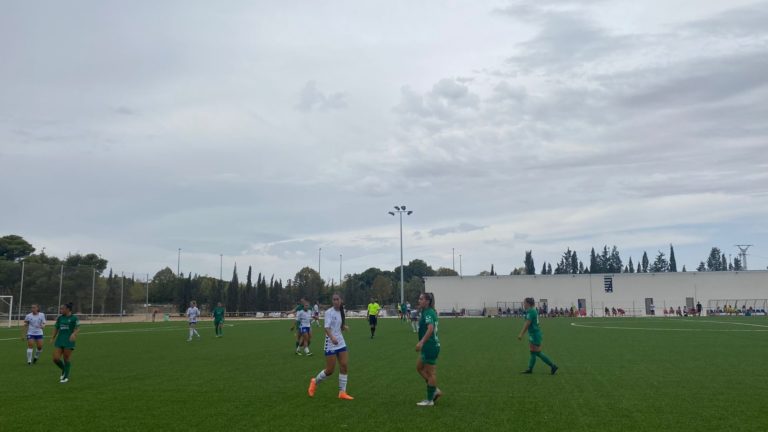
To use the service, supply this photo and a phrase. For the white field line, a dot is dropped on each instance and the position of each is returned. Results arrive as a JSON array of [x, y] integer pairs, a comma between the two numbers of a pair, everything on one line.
[[149, 330], [667, 329]]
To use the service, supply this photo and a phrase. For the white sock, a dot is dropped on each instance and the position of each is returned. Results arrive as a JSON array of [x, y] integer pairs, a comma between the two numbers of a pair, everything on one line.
[[343, 382], [321, 376], [29, 355], [306, 350], [198, 334], [191, 332], [37, 353]]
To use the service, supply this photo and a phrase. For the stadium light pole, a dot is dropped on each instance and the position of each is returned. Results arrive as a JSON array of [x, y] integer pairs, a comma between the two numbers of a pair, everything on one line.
[[178, 265], [319, 258], [340, 261], [21, 291], [453, 259], [400, 210]]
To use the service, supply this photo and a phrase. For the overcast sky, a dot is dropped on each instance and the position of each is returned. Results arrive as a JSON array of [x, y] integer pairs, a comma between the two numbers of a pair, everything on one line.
[[264, 131]]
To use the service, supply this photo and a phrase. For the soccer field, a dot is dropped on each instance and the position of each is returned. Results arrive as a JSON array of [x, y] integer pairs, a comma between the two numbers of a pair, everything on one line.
[[615, 374]]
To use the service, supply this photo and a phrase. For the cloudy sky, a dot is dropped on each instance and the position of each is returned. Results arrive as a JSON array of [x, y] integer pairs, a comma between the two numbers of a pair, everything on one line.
[[265, 131]]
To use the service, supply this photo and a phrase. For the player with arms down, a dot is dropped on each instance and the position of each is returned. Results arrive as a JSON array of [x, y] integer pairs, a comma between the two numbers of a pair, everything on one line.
[[34, 323], [534, 337], [64, 336], [429, 347]]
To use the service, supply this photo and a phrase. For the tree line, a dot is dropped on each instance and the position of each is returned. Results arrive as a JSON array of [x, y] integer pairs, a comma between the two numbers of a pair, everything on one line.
[[85, 284]]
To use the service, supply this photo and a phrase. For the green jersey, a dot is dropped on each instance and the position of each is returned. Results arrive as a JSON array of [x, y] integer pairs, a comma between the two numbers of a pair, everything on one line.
[[533, 316], [429, 316], [218, 313], [66, 325]]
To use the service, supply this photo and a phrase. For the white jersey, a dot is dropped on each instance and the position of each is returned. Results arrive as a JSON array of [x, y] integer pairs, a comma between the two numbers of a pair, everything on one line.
[[304, 318], [36, 323], [332, 321], [192, 314], [316, 309]]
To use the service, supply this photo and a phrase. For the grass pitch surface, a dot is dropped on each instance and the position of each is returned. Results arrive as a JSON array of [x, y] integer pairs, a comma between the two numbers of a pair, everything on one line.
[[615, 374]]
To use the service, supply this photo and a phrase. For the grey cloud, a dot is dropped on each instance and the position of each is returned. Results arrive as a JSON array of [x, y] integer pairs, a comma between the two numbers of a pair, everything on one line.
[[460, 228], [312, 99], [746, 21]]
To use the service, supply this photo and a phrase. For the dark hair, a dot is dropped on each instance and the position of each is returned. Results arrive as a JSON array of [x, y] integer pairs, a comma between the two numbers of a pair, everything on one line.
[[69, 306], [430, 298], [530, 301], [341, 309]]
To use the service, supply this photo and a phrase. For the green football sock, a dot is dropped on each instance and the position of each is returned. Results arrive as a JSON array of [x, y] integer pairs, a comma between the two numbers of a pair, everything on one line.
[[545, 359], [67, 367], [431, 392], [60, 365], [532, 361]]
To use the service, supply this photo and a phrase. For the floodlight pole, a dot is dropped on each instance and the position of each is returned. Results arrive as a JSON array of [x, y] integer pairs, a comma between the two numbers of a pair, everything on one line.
[[61, 282], [93, 291], [319, 257], [21, 291], [341, 257], [401, 209]]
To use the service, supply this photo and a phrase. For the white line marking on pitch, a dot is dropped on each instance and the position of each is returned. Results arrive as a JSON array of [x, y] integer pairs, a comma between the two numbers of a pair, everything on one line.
[[662, 329], [150, 330]]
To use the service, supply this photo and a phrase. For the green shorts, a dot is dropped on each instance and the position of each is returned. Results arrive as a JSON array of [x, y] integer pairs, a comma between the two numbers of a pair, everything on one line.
[[429, 354], [217, 322], [64, 344], [535, 338]]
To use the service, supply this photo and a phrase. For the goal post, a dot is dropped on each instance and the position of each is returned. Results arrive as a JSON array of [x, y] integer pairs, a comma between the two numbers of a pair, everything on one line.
[[6, 310]]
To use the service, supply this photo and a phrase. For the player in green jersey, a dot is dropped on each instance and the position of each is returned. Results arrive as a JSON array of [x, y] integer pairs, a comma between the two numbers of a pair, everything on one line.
[[534, 337], [429, 347], [64, 335], [218, 319]]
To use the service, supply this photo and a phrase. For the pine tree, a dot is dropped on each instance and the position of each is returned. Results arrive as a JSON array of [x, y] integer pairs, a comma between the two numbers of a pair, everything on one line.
[[574, 263], [723, 263], [232, 292], [530, 267], [737, 264], [645, 262], [631, 266], [544, 268], [714, 262], [684, 270], [549, 268], [593, 265], [493, 273], [701, 267], [660, 265], [581, 267], [672, 261]]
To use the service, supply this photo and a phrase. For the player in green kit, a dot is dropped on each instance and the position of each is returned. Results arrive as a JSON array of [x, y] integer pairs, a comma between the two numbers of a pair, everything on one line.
[[534, 337], [429, 347], [218, 319], [64, 335]]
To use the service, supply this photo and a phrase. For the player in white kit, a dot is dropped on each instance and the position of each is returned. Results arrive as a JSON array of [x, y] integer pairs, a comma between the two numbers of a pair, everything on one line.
[[34, 323], [304, 319], [335, 348], [192, 314], [316, 314]]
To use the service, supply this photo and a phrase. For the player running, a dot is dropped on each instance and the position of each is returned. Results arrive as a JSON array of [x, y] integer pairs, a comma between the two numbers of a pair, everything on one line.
[[429, 347], [373, 315], [64, 336], [534, 337], [335, 348], [218, 319], [34, 323], [192, 314], [304, 320]]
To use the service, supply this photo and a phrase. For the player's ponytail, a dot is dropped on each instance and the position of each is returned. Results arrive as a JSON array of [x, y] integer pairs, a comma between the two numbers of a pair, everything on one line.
[[341, 310]]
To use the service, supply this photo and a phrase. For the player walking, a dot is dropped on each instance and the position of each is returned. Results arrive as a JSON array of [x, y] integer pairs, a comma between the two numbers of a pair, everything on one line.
[[429, 347], [192, 314], [64, 336], [373, 315], [335, 349], [304, 320], [34, 323], [218, 319], [534, 337]]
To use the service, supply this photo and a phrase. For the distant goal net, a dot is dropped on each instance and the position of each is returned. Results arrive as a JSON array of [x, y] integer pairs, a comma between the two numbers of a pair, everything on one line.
[[6, 306]]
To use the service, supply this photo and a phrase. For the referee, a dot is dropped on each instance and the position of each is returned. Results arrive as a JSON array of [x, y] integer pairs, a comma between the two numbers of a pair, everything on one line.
[[373, 314]]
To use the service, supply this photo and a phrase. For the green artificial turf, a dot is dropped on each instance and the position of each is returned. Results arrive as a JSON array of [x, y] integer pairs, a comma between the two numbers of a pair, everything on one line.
[[644, 374]]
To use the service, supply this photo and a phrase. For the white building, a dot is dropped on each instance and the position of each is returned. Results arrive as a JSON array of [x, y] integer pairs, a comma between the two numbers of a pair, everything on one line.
[[636, 293]]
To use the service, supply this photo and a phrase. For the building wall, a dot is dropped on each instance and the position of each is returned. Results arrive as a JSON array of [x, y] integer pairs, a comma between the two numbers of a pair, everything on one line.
[[629, 290]]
